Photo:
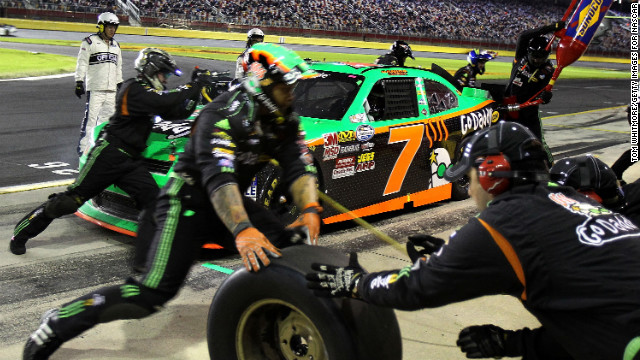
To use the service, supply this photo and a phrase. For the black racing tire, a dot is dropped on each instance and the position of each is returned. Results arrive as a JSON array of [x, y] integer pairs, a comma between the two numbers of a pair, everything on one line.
[[460, 187], [272, 315], [270, 193]]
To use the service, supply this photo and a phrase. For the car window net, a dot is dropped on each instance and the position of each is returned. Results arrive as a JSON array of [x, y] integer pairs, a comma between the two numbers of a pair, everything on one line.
[[440, 98]]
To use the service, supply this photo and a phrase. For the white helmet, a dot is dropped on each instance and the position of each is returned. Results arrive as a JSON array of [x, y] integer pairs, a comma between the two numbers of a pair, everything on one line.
[[107, 18], [254, 35]]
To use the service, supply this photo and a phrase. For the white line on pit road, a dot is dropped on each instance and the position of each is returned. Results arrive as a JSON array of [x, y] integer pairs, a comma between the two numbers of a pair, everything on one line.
[[34, 78]]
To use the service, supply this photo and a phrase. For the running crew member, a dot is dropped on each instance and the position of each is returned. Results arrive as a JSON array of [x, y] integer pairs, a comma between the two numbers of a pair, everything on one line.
[[232, 138], [116, 159]]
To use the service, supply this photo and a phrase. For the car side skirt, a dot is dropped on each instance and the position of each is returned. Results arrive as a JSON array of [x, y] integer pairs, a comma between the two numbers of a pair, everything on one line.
[[425, 197]]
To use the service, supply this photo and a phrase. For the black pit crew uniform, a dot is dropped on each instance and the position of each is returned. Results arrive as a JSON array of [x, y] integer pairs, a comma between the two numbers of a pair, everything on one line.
[[526, 81], [466, 76], [229, 144], [632, 198], [389, 59], [116, 157], [572, 263]]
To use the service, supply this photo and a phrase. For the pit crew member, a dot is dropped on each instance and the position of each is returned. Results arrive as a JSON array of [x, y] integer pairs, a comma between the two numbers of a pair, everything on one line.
[[115, 158], [232, 138], [398, 53], [572, 262]]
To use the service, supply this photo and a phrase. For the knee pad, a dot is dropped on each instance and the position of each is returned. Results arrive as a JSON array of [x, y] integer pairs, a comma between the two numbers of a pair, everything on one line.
[[132, 301], [62, 204]]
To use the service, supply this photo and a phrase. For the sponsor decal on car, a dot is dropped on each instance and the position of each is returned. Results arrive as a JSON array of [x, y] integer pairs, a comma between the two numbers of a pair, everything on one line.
[[365, 132], [395, 72], [344, 167], [366, 146], [475, 120], [346, 136], [172, 129], [422, 99], [331, 146], [495, 116], [365, 162], [358, 118], [349, 148]]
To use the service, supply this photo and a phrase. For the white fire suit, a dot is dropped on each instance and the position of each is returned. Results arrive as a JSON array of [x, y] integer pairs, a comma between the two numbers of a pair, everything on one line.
[[239, 68], [99, 66]]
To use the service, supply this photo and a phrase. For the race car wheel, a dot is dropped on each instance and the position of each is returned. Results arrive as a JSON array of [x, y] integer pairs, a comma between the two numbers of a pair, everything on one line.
[[460, 188], [272, 315]]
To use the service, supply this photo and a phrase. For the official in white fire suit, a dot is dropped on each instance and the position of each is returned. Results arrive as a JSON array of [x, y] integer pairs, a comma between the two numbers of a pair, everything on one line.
[[99, 73]]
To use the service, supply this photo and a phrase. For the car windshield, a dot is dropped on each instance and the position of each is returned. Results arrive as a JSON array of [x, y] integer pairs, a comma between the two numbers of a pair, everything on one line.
[[327, 96]]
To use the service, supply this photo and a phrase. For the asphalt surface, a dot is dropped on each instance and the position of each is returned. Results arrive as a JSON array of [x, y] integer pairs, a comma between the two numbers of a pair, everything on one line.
[[40, 127]]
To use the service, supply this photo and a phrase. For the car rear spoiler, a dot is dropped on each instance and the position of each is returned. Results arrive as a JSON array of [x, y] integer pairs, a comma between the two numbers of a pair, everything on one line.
[[445, 74]]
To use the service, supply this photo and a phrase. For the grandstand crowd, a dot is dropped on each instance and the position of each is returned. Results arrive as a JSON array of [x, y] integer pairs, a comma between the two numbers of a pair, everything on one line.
[[493, 20]]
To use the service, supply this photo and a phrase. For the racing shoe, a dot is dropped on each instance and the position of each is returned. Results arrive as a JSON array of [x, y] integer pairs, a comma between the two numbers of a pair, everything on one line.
[[17, 246], [43, 342]]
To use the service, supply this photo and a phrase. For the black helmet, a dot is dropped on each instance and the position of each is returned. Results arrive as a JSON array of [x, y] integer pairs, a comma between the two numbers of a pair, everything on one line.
[[589, 175], [537, 50], [151, 61], [401, 50]]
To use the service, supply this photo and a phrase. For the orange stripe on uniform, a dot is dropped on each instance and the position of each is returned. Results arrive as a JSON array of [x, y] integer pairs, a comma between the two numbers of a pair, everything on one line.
[[125, 109], [509, 253]]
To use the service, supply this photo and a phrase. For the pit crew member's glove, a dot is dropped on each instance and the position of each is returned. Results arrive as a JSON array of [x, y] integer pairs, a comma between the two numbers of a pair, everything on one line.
[[560, 25], [484, 341], [80, 89], [253, 246], [336, 281], [421, 245], [545, 96], [309, 218], [202, 77]]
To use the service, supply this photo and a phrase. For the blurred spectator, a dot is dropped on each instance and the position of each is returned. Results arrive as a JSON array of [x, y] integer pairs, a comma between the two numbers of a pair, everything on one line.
[[485, 21]]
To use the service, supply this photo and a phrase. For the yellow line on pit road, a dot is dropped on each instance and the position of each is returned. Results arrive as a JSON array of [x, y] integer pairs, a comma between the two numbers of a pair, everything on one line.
[[586, 128], [36, 186], [584, 112], [582, 127]]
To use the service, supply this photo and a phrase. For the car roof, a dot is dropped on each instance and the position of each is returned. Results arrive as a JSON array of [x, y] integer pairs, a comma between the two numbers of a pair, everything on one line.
[[373, 71]]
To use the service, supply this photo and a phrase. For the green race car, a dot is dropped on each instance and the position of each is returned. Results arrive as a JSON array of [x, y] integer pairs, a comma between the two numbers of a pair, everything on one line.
[[380, 136]]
